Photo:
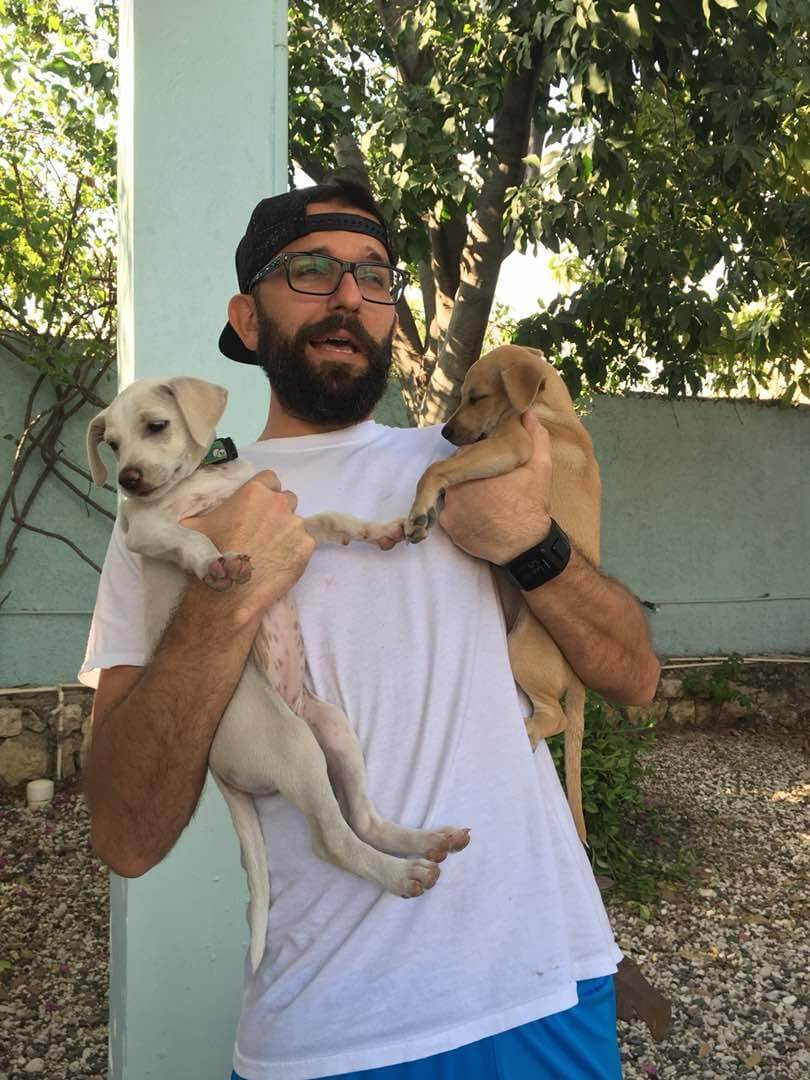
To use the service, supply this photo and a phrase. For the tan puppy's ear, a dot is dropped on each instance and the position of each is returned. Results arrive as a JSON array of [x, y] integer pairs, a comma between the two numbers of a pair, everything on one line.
[[201, 405], [522, 382], [95, 433]]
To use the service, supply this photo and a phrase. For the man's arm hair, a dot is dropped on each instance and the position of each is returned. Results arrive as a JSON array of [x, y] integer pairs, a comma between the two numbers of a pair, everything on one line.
[[152, 730], [601, 629]]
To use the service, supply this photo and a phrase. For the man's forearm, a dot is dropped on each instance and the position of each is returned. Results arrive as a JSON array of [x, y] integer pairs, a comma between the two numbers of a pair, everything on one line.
[[601, 630], [149, 751]]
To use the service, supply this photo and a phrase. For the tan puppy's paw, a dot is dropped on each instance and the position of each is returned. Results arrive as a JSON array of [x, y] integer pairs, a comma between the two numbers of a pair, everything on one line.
[[419, 522], [418, 875], [229, 569]]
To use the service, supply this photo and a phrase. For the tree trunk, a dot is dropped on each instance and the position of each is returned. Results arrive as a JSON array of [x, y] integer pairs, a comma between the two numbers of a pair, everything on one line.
[[486, 244]]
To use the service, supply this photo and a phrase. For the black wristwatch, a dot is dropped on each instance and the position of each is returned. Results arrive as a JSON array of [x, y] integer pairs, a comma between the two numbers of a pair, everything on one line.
[[542, 562]]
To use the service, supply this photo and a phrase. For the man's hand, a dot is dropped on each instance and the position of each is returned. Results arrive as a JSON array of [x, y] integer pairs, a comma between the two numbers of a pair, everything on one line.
[[259, 520], [499, 518]]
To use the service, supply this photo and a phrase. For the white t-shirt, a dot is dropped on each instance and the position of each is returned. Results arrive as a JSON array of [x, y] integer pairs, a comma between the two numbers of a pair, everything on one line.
[[411, 644]]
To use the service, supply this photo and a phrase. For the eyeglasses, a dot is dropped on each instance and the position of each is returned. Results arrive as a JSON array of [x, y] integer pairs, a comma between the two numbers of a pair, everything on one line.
[[321, 275]]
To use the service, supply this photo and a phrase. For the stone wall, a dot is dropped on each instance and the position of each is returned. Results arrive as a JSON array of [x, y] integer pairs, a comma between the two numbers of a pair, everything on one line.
[[688, 696], [34, 723], [732, 695]]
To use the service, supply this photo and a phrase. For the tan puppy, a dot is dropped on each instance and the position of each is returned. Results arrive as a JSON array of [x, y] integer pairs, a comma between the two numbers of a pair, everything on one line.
[[498, 389]]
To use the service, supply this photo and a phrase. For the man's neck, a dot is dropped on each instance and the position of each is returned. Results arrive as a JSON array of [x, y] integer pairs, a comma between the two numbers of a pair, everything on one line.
[[280, 425]]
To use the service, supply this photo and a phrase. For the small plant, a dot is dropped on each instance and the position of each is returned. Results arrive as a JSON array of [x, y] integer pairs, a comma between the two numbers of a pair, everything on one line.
[[612, 798], [715, 684]]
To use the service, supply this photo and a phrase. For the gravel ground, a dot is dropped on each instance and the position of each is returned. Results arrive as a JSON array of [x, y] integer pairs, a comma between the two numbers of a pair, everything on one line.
[[730, 947], [54, 917]]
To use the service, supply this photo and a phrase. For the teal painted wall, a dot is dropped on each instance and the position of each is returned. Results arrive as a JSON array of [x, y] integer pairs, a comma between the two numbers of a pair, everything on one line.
[[44, 621], [705, 509]]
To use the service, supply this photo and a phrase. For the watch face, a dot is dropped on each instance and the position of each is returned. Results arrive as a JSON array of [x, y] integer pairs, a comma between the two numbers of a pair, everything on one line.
[[543, 562], [536, 565]]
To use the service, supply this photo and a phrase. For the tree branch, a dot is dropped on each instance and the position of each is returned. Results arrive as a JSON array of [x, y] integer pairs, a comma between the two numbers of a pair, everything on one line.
[[349, 161], [23, 205], [30, 331], [63, 262], [486, 241], [308, 163], [414, 64], [57, 536]]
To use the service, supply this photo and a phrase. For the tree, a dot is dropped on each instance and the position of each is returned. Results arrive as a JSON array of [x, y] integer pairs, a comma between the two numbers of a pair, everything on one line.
[[57, 232], [487, 126], [714, 176]]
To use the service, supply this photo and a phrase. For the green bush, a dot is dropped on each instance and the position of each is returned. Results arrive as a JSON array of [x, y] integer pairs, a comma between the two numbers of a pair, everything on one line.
[[715, 684], [612, 797]]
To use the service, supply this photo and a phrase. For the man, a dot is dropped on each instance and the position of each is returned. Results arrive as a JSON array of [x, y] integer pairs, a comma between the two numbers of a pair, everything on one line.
[[503, 969]]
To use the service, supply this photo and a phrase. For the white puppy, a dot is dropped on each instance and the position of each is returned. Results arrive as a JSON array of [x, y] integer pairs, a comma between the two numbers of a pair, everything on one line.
[[274, 735]]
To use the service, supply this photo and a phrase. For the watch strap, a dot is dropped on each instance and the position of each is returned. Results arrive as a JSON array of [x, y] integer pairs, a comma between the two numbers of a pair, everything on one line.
[[542, 562]]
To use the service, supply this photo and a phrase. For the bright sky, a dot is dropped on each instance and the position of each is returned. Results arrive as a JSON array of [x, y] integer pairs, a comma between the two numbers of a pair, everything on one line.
[[524, 280]]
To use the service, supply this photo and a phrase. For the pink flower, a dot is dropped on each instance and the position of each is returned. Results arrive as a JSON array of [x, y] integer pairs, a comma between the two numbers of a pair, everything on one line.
[[64, 969], [50, 1006], [649, 1069]]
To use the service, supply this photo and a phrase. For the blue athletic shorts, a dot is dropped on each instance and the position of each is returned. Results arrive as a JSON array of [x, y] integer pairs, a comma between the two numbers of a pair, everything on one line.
[[577, 1044]]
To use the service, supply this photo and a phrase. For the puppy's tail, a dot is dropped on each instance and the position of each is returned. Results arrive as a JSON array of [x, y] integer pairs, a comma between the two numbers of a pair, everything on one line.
[[254, 860], [574, 733]]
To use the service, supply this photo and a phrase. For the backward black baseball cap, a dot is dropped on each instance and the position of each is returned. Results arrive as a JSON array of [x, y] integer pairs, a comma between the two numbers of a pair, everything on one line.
[[279, 220]]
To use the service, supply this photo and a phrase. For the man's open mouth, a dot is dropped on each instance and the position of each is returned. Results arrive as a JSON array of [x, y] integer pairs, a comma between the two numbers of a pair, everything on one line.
[[337, 342]]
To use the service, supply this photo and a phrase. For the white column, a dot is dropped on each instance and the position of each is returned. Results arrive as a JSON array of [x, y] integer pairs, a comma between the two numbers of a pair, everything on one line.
[[202, 137]]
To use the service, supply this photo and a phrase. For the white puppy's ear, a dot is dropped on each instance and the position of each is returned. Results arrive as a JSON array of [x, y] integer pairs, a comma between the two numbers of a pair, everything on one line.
[[201, 404], [95, 433], [522, 382]]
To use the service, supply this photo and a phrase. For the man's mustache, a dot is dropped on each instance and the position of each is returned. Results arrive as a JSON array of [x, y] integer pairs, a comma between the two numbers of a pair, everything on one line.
[[350, 323]]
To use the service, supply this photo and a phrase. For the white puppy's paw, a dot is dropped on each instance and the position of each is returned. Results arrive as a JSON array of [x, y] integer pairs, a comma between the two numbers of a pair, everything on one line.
[[385, 534], [417, 876], [446, 842], [226, 570]]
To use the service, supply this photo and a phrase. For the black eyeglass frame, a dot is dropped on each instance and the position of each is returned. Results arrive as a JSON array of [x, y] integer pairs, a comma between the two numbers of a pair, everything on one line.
[[401, 277]]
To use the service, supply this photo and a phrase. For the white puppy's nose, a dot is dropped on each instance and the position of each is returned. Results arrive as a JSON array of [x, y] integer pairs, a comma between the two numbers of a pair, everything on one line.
[[130, 478]]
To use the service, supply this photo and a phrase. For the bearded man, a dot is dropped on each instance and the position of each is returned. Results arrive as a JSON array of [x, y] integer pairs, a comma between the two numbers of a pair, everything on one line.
[[504, 968]]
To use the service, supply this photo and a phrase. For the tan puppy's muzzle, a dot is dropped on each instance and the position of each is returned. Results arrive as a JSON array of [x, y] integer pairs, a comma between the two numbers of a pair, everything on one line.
[[456, 433]]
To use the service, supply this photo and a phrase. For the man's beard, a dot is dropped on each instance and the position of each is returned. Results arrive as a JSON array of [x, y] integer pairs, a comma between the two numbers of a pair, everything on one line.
[[330, 392]]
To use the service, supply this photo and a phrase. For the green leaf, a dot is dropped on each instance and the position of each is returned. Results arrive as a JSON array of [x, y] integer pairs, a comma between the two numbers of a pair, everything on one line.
[[597, 83], [628, 21], [97, 72], [398, 141]]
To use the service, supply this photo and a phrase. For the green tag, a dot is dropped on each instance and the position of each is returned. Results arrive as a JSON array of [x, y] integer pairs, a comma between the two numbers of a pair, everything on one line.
[[220, 451]]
